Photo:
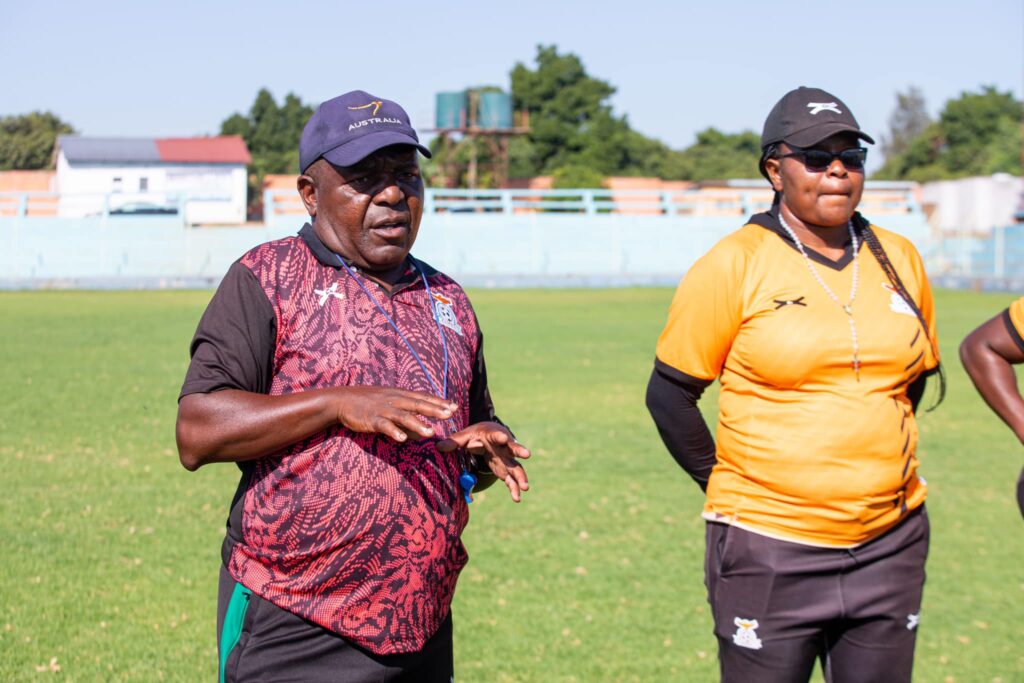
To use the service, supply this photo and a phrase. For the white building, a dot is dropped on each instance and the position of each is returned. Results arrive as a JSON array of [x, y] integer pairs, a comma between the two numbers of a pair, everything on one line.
[[203, 178]]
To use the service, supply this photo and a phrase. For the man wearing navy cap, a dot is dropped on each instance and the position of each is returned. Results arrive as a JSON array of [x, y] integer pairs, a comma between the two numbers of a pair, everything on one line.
[[346, 379]]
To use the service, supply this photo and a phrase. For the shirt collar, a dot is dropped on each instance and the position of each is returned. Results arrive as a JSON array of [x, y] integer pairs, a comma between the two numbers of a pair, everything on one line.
[[769, 220], [329, 258]]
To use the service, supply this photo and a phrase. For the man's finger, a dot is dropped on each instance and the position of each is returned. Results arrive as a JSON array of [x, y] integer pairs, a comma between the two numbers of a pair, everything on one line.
[[428, 406], [382, 425], [513, 488], [410, 423]]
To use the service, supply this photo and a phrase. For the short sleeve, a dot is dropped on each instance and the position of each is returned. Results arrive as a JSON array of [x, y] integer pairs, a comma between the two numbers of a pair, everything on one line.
[[704, 317], [1014, 317], [234, 344]]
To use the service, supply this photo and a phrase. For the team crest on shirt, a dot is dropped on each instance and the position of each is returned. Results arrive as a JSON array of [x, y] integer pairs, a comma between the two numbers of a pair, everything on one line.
[[746, 633], [897, 304], [444, 312]]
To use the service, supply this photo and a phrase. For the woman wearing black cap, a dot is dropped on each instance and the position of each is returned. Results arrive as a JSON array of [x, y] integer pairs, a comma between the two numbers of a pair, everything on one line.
[[816, 533]]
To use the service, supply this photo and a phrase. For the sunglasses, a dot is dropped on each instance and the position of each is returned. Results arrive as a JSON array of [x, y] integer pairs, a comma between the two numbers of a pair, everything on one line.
[[820, 159]]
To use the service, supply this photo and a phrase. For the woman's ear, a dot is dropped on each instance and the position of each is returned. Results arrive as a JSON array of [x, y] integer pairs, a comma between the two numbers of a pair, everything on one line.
[[773, 167]]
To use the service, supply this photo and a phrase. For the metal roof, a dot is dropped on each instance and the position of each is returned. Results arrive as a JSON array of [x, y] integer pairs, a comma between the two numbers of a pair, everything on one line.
[[229, 149], [128, 150]]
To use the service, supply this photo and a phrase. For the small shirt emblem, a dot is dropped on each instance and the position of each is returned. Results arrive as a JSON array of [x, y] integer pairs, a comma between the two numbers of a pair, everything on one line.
[[782, 303], [746, 633], [325, 294], [444, 312], [897, 304]]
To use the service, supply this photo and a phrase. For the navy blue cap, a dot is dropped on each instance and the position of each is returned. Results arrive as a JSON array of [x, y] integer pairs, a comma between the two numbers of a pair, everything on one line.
[[347, 129]]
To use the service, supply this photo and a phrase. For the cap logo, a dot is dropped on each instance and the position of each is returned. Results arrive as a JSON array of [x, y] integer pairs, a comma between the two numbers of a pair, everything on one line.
[[816, 107], [376, 104]]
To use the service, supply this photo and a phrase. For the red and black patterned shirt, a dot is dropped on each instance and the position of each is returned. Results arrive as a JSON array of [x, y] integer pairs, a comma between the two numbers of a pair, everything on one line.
[[354, 532]]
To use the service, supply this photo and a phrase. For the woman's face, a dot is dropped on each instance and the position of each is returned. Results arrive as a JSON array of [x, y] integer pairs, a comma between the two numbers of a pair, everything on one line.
[[825, 197]]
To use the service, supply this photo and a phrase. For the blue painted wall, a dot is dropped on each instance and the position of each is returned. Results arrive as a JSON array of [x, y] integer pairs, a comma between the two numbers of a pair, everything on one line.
[[480, 249]]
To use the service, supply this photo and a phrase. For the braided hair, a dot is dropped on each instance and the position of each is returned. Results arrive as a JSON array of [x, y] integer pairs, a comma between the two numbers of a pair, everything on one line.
[[871, 239]]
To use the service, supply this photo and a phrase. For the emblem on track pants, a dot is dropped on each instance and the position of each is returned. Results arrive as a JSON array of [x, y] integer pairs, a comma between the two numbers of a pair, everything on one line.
[[746, 633], [913, 620]]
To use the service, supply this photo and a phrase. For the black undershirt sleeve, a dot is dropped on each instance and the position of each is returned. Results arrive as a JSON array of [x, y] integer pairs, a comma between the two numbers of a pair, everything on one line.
[[673, 405], [233, 347], [481, 409]]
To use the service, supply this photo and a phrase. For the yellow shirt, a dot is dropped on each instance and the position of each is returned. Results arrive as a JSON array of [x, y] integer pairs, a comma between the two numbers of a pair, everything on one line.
[[806, 451]]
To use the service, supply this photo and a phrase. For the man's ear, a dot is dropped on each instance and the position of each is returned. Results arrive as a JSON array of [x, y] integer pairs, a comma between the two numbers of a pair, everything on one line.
[[307, 192]]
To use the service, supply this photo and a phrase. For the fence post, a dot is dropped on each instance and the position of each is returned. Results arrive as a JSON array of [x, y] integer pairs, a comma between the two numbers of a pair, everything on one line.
[[428, 201], [268, 208], [1000, 251], [506, 202], [588, 202], [667, 203], [22, 205]]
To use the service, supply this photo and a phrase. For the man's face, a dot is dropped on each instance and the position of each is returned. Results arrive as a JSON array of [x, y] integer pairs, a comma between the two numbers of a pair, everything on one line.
[[370, 212]]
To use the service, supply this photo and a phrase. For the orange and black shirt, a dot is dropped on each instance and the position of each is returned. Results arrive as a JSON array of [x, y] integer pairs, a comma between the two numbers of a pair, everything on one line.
[[1014, 319], [807, 450]]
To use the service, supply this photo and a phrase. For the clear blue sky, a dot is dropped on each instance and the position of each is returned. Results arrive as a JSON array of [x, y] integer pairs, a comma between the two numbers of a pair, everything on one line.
[[161, 69]]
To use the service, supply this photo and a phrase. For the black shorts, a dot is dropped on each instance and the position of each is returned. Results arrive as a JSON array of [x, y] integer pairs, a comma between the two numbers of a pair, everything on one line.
[[778, 606], [259, 641]]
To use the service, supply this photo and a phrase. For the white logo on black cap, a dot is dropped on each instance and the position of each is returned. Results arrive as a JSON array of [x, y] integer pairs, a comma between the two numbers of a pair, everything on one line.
[[816, 107]]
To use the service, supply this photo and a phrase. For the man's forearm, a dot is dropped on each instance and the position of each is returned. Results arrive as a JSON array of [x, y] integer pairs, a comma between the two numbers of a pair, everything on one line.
[[234, 425]]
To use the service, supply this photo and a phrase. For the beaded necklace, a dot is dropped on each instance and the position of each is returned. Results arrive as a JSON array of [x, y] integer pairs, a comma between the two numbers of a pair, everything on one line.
[[848, 307]]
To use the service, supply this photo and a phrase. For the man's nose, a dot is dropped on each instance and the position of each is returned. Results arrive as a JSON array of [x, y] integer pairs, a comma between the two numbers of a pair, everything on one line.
[[391, 193]]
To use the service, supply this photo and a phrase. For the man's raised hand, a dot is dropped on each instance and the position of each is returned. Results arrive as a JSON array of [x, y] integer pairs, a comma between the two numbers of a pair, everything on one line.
[[500, 451]]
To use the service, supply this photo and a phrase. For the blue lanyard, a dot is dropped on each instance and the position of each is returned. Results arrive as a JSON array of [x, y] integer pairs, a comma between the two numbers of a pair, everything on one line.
[[391, 321], [467, 480]]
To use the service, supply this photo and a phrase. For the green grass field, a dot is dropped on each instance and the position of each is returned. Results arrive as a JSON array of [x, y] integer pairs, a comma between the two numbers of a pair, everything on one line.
[[110, 549]]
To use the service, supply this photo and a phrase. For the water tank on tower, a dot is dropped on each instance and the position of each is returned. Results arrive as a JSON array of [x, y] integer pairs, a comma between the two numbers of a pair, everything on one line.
[[495, 110], [451, 110]]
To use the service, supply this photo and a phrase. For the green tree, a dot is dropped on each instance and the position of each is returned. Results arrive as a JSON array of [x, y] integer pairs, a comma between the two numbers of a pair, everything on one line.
[[976, 134], [908, 120], [717, 155], [272, 133], [27, 140]]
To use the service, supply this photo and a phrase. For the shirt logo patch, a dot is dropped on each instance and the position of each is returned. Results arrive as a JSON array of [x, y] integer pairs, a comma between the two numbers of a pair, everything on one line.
[[444, 312], [325, 294], [782, 303], [817, 107], [746, 633], [897, 304]]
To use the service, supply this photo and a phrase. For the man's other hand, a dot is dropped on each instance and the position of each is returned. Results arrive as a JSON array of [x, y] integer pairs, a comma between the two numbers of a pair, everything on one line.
[[500, 450]]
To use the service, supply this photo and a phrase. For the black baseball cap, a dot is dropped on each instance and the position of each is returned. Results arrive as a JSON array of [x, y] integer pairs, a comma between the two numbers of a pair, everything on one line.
[[806, 116], [348, 128]]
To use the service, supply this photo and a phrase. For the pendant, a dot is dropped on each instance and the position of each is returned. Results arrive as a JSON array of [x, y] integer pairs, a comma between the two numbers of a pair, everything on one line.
[[467, 480]]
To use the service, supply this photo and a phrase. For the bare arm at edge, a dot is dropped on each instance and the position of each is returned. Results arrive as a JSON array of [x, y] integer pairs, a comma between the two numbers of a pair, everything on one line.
[[235, 425], [989, 354]]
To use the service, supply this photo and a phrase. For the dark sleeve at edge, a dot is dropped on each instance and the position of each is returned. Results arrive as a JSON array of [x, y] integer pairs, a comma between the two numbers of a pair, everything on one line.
[[1012, 329], [672, 402], [681, 377], [234, 344], [481, 409]]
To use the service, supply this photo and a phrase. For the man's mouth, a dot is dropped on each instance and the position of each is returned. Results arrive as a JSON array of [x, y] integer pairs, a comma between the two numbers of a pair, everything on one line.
[[391, 229]]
